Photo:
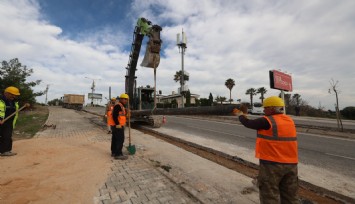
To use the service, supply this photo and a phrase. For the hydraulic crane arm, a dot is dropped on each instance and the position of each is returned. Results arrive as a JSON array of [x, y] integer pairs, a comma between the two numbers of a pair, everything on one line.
[[151, 57]]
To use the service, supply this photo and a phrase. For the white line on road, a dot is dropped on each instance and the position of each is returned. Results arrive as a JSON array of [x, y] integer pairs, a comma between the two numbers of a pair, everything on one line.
[[335, 155], [328, 137]]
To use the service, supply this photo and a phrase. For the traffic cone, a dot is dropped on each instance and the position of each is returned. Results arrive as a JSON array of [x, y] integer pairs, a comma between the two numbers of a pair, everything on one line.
[[164, 120]]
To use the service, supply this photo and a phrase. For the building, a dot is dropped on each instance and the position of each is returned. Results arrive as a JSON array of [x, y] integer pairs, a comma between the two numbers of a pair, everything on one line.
[[177, 97]]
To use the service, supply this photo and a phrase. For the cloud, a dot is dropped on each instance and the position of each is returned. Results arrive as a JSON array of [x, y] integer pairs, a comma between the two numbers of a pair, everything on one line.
[[242, 40]]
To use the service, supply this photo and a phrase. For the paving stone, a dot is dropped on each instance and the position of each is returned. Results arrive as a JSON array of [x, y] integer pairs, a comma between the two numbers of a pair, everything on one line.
[[135, 180]]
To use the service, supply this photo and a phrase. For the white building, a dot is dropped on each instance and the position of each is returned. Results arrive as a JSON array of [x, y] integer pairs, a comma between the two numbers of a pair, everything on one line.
[[177, 97]]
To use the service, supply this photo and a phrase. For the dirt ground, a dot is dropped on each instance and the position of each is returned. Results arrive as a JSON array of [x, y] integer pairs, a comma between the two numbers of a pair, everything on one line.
[[42, 173]]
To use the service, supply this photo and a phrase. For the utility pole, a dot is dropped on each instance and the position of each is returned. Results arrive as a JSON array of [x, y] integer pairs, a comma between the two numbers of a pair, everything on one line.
[[182, 46], [46, 94]]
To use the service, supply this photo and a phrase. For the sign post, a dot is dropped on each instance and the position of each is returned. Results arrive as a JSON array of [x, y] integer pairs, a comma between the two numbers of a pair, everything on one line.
[[281, 81]]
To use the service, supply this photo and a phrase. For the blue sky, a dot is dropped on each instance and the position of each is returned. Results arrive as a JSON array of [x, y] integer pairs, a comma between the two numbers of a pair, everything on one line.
[[76, 17], [66, 42]]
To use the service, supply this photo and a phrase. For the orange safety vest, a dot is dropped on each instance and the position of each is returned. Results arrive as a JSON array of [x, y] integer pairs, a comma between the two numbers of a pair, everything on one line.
[[121, 116], [109, 116], [279, 142]]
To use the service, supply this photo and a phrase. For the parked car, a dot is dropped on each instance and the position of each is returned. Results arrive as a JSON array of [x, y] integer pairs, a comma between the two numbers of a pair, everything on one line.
[[256, 109]]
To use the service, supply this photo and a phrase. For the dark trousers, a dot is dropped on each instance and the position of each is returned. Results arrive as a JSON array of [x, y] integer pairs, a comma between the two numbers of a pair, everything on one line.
[[6, 137], [117, 140], [278, 183]]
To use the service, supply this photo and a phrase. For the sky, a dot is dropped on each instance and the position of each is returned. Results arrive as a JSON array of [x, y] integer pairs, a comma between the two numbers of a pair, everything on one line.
[[69, 44]]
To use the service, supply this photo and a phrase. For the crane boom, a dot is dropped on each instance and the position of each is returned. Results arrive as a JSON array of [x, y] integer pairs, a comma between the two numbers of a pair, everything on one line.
[[152, 55]]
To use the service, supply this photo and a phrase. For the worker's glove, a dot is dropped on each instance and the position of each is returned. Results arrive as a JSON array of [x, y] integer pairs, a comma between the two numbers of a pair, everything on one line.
[[118, 126], [243, 110], [128, 113]]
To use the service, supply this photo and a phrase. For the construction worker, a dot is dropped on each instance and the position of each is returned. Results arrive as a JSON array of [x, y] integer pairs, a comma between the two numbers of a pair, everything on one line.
[[276, 149], [117, 127], [109, 109], [7, 107]]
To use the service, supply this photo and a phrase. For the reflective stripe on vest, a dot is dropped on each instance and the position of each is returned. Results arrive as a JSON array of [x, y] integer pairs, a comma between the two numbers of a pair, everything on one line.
[[3, 111], [279, 143]]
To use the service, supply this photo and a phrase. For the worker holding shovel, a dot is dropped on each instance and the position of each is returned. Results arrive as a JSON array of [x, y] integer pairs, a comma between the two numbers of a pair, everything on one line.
[[8, 115], [119, 114]]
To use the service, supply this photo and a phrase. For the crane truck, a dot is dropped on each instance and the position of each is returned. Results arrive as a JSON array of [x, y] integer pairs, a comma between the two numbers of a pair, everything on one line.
[[142, 98]]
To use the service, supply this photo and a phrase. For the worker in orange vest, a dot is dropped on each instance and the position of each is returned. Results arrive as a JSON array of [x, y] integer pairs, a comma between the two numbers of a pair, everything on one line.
[[109, 109], [117, 123], [277, 151]]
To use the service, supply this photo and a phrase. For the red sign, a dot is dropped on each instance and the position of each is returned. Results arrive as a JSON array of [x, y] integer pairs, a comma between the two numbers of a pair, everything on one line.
[[280, 80]]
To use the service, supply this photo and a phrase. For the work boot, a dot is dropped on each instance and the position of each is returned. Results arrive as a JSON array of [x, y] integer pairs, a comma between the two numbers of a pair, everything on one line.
[[8, 154], [121, 157]]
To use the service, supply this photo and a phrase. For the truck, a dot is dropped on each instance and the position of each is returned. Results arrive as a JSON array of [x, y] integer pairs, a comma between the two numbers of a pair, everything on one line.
[[73, 101]]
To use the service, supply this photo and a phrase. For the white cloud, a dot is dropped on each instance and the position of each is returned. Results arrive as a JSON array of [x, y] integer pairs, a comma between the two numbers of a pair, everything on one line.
[[241, 40]]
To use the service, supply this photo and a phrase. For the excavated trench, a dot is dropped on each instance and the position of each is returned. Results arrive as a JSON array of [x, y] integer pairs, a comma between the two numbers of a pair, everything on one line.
[[308, 192]]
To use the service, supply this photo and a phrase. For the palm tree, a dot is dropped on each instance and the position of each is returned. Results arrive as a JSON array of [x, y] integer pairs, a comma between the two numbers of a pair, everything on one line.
[[177, 77], [261, 91], [230, 84], [251, 92], [220, 99]]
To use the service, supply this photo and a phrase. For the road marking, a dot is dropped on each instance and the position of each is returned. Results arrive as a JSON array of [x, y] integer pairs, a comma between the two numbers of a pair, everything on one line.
[[328, 137], [345, 157], [217, 131]]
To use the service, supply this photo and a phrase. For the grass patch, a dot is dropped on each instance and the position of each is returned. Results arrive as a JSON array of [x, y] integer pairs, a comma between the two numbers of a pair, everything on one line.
[[30, 122]]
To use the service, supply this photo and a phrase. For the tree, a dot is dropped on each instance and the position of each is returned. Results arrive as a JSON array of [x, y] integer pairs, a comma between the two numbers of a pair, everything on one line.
[[210, 98], [205, 102], [348, 112], [177, 77], [220, 99], [230, 84], [334, 88], [296, 99], [174, 103], [261, 91], [13, 73], [188, 98], [251, 92], [54, 102]]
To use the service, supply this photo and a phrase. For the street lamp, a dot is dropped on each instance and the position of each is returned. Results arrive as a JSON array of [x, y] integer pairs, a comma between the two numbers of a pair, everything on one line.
[[182, 46]]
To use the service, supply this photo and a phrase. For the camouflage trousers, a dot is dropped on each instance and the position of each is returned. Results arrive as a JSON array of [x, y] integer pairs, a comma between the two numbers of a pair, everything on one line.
[[278, 183]]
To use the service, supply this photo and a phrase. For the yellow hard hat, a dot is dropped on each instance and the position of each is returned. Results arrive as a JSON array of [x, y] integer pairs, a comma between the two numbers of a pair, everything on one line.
[[273, 101], [12, 90], [113, 99], [124, 96]]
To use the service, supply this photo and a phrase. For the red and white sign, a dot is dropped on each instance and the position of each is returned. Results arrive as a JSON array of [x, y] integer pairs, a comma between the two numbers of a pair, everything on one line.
[[282, 81]]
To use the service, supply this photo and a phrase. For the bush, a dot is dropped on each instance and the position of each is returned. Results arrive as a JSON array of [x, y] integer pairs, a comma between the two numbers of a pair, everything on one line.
[[348, 112]]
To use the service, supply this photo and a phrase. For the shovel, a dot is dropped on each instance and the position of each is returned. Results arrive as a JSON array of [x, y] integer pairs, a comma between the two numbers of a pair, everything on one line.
[[8, 117], [131, 148]]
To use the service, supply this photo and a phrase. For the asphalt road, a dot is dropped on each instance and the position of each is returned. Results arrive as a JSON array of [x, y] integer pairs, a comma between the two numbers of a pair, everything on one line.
[[331, 153], [313, 121]]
